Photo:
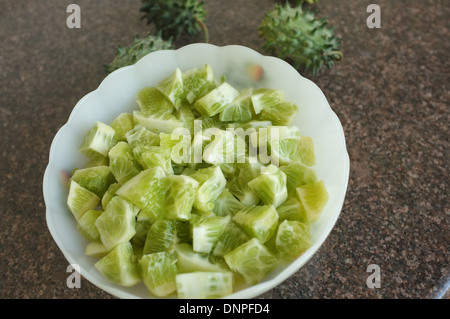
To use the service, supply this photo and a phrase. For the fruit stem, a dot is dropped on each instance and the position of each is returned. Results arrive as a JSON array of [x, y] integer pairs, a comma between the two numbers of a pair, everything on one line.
[[204, 28], [338, 53]]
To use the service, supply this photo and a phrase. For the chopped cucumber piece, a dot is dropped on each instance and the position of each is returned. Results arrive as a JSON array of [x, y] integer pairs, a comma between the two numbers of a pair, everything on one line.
[[210, 122], [80, 200], [161, 236], [298, 174], [211, 185], [206, 232], [264, 135], [282, 114], [293, 239], [152, 101], [119, 266], [159, 271], [232, 237], [139, 136], [97, 160], [217, 100], [266, 98], [240, 110], [141, 227], [86, 225], [98, 140], [154, 156], [172, 88], [227, 204], [144, 190], [116, 224], [306, 149], [270, 186], [204, 285], [189, 261], [258, 221], [180, 196], [252, 260], [221, 149], [109, 194], [185, 115], [96, 249], [179, 146], [198, 82], [121, 125], [314, 197], [164, 234], [122, 163], [238, 185], [250, 124], [96, 179], [290, 150], [161, 122], [292, 209]]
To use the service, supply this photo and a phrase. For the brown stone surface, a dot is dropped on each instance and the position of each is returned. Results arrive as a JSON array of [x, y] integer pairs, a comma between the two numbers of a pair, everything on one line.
[[391, 93]]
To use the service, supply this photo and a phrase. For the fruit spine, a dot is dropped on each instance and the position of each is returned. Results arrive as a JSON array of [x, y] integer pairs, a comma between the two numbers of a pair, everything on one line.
[[174, 18], [136, 50], [297, 36]]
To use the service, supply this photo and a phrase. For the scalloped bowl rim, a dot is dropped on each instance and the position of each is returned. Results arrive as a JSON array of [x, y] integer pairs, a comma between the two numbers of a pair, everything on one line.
[[279, 276]]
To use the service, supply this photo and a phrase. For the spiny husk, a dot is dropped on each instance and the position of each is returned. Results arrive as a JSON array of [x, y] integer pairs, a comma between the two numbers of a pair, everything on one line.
[[297, 36], [174, 18], [137, 49], [308, 1]]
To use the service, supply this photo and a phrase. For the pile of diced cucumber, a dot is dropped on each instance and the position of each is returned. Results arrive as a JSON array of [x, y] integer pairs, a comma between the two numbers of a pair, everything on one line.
[[199, 192]]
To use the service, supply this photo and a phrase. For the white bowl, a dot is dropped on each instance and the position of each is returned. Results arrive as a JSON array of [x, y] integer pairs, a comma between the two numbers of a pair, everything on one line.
[[117, 94]]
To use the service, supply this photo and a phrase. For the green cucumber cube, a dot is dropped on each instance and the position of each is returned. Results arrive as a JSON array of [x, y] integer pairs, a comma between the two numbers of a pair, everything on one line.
[[211, 184], [80, 200], [293, 239], [172, 88], [266, 98], [204, 285], [206, 232], [86, 225], [180, 196], [258, 221], [270, 186], [119, 266], [96, 179], [117, 223], [122, 163], [189, 261], [252, 260], [98, 140], [314, 198], [144, 190], [159, 271], [121, 125], [216, 100]]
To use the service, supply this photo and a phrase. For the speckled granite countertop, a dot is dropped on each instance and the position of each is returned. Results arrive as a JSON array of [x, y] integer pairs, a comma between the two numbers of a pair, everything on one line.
[[391, 93]]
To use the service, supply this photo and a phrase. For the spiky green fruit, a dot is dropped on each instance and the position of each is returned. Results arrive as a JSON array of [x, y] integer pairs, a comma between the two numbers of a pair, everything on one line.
[[298, 36], [174, 18], [308, 1], [140, 47]]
